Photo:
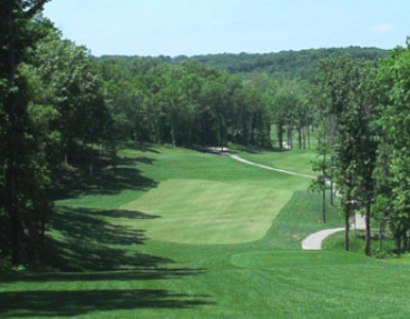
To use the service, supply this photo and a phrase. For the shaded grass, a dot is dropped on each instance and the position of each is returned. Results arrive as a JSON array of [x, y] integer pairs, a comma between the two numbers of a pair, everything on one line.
[[287, 284], [106, 178], [46, 303], [357, 243], [85, 240]]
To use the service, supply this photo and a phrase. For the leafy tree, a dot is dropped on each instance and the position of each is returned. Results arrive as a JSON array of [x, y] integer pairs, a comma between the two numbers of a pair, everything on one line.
[[74, 89], [347, 95], [394, 157], [184, 104], [21, 169], [321, 165]]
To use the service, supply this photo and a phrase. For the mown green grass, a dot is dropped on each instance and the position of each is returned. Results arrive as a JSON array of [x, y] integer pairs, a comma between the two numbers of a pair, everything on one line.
[[209, 212], [122, 263], [299, 161]]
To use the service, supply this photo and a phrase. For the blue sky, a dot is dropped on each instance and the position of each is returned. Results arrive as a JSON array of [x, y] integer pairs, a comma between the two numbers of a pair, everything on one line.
[[190, 27]]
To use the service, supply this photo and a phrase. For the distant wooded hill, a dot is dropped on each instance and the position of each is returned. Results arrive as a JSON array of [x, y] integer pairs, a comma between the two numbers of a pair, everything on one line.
[[288, 64]]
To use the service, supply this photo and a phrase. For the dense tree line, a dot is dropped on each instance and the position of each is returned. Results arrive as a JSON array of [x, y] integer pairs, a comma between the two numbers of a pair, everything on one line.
[[51, 106], [302, 64], [364, 112], [186, 104], [24, 171]]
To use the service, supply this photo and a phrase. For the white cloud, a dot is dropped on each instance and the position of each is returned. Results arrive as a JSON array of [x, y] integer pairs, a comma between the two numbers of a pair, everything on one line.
[[382, 27]]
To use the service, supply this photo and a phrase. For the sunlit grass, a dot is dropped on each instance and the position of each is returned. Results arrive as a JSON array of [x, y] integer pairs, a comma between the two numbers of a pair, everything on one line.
[[299, 161], [176, 245], [209, 212]]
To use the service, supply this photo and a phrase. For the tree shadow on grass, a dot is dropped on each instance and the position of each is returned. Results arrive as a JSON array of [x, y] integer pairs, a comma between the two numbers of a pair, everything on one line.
[[105, 180], [121, 213], [88, 249], [103, 276], [86, 241], [50, 303]]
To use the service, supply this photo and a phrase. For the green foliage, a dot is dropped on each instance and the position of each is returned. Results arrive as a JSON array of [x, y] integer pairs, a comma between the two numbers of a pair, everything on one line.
[[302, 64], [183, 104], [24, 175], [347, 107], [71, 85], [393, 174], [50, 101]]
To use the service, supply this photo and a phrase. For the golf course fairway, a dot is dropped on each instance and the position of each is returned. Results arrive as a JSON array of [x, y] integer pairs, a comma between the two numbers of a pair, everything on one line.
[[176, 233]]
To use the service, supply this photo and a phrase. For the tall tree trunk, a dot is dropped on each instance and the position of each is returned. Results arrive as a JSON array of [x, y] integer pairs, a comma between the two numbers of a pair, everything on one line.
[[300, 137], [332, 190], [398, 243], [290, 136], [280, 135], [173, 137], [347, 228], [308, 137], [324, 205], [324, 188], [381, 231], [368, 230]]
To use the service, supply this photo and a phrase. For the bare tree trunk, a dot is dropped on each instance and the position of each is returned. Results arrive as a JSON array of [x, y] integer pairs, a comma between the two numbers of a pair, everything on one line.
[[332, 191], [368, 230], [304, 137], [347, 228], [280, 135], [324, 205], [398, 242], [290, 136], [173, 137], [324, 188], [308, 137]]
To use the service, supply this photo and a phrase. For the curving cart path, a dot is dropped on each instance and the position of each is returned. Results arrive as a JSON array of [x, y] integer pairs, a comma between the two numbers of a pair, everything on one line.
[[315, 240], [279, 170]]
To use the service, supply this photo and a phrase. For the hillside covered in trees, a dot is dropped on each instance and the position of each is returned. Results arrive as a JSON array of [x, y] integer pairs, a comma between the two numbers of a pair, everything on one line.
[[302, 64]]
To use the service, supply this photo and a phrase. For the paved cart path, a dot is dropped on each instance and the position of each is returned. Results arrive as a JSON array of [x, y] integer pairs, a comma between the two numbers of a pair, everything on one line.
[[315, 240], [279, 170]]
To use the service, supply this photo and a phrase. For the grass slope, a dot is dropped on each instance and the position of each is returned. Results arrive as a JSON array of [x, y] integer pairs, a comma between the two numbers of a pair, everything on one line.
[[298, 161], [121, 263]]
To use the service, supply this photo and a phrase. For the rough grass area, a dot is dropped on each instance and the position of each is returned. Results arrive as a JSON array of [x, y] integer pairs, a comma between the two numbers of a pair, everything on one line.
[[110, 262]]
